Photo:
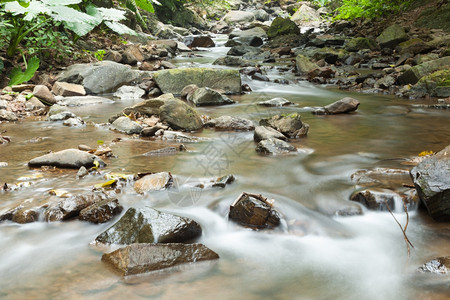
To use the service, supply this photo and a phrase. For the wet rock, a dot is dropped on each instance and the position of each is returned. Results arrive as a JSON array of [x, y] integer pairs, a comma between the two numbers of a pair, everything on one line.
[[68, 208], [231, 123], [83, 100], [345, 105], [282, 26], [381, 177], [69, 158], [168, 65], [232, 61], [65, 115], [436, 84], [241, 50], [413, 46], [392, 36], [162, 151], [306, 16], [101, 212], [173, 81], [206, 96], [266, 132], [66, 89], [127, 92], [178, 137], [199, 41], [322, 72], [274, 146], [44, 94], [74, 122], [261, 15], [431, 178], [440, 265], [378, 199], [385, 82], [6, 115], [260, 77], [21, 214], [238, 17], [289, 125], [188, 91], [254, 211], [304, 65], [361, 43], [82, 172], [180, 116], [151, 131], [141, 258], [223, 181], [245, 36], [126, 125], [148, 225], [153, 182], [101, 77]]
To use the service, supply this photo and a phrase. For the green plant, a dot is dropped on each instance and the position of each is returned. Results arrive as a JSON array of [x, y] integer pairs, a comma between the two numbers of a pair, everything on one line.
[[353, 9], [99, 54], [18, 77]]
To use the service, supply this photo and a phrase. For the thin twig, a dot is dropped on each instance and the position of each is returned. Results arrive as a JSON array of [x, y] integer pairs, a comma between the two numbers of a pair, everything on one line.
[[407, 241]]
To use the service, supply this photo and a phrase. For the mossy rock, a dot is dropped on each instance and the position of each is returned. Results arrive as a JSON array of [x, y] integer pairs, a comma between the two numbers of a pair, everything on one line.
[[282, 26], [435, 84], [392, 36], [361, 43], [436, 18], [413, 46]]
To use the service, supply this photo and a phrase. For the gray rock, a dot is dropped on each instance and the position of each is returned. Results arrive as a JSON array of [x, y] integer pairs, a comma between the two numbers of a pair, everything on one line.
[[282, 26], [188, 91], [231, 123], [74, 122], [127, 92], [274, 146], [3, 104], [238, 17], [70, 207], [431, 178], [266, 132], [414, 74], [206, 96], [66, 89], [83, 100], [248, 33], [304, 65], [6, 115], [148, 225], [261, 15], [82, 172], [153, 182], [56, 109], [377, 199], [173, 81], [232, 61], [178, 137], [69, 158], [61, 116], [141, 258], [44, 94], [101, 77], [392, 36], [241, 50], [126, 125], [289, 125], [101, 212], [345, 105], [275, 102], [132, 55], [180, 116], [306, 16], [199, 41]]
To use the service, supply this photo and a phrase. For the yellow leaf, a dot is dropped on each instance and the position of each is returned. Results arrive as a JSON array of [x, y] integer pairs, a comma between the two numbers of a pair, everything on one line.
[[425, 153], [105, 184]]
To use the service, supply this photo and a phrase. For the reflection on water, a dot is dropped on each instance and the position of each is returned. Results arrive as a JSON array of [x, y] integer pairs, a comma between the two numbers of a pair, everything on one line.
[[360, 257]]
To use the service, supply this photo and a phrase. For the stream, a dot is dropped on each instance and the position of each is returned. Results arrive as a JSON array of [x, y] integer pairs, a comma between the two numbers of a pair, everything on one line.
[[331, 256]]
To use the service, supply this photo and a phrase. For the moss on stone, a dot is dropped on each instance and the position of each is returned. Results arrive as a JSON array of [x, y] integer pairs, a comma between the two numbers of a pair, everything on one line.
[[282, 26]]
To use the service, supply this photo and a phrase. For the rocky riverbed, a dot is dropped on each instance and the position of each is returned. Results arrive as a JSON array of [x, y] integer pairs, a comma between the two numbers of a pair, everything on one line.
[[238, 146]]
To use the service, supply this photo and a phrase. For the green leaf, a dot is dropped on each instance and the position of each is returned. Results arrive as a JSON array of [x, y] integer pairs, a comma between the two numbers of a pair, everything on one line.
[[61, 2], [18, 77], [145, 5], [112, 14], [120, 28]]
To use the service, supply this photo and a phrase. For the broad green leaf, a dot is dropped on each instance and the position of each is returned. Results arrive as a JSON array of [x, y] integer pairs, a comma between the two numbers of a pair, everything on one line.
[[93, 11], [35, 8], [145, 5], [112, 14], [68, 14], [18, 77], [120, 28], [61, 2]]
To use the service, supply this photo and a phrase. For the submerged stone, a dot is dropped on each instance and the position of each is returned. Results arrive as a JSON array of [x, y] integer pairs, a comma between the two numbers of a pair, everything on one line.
[[142, 258]]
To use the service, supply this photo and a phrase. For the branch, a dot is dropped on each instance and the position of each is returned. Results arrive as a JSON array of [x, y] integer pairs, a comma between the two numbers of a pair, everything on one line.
[[407, 241]]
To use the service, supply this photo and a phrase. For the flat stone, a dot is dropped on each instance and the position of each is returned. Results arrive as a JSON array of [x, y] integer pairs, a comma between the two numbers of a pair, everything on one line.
[[275, 102], [127, 92], [231, 123], [153, 182], [274, 146], [44, 94], [69, 158], [66, 89], [142, 258]]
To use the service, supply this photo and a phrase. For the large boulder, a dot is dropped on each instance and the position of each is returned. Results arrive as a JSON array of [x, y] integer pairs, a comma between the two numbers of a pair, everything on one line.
[[238, 17], [99, 78], [414, 74], [206, 96], [69, 158], [392, 36], [148, 225], [173, 81], [437, 84], [431, 178], [199, 41], [282, 26], [306, 16], [141, 258], [180, 116]]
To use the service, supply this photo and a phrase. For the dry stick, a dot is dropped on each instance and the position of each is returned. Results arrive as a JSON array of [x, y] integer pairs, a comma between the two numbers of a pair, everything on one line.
[[407, 241]]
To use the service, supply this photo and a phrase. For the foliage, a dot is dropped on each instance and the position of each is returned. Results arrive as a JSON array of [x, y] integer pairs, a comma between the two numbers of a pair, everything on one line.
[[353, 9], [18, 77], [100, 54]]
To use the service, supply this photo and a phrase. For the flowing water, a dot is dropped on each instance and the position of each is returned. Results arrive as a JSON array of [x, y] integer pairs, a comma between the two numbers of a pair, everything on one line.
[[329, 256]]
